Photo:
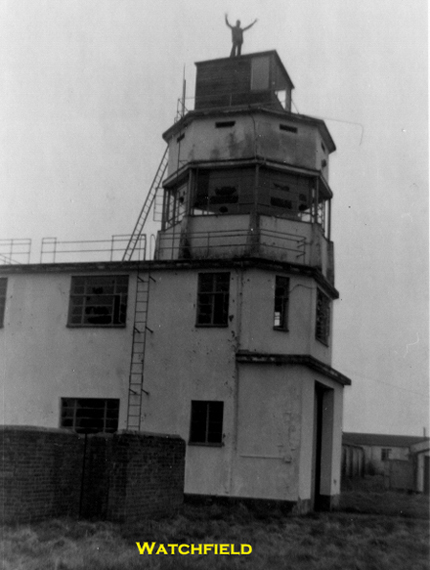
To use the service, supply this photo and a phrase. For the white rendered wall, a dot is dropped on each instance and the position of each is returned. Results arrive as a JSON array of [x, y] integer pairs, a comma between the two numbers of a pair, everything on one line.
[[43, 360], [258, 134]]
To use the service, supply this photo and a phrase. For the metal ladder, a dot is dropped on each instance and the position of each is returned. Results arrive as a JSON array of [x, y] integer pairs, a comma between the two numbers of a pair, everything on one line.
[[140, 328], [149, 200], [135, 387]]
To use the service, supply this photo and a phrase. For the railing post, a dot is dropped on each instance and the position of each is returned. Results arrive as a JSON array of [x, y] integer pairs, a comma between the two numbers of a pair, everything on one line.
[[111, 247]]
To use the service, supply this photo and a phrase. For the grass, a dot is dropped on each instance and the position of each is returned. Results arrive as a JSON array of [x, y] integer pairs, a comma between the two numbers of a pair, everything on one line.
[[372, 531]]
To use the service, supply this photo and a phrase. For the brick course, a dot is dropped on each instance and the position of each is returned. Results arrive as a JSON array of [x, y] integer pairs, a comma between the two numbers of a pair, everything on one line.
[[40, 473], [125, 476]]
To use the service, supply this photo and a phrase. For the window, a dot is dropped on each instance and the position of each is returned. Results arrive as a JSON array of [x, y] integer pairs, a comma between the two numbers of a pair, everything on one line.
[[206, 422], [90, 415], [174, 204], [288, 128], [225, 124], [99, 301], [280, 319], [287, 195], [3, 287], [212, 301], [385, 454], [323, 317]]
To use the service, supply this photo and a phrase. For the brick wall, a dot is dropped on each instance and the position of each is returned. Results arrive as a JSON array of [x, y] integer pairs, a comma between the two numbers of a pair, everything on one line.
[[156, 460], [127, 476], [40, 473]]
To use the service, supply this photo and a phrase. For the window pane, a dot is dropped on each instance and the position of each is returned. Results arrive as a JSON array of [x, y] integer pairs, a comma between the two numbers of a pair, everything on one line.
[[213, 299], [90, 415], [206, 422], [282, 286], [98, 301]]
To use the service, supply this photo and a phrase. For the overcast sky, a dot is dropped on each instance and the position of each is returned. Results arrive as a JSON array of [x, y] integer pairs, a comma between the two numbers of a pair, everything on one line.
[[88, 86]]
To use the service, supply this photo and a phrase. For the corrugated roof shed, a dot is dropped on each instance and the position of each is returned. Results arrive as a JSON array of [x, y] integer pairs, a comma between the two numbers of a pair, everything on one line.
[[381, 440]]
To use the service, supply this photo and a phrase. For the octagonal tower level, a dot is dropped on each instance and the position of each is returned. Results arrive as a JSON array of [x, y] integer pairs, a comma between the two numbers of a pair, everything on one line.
[[246, 176]]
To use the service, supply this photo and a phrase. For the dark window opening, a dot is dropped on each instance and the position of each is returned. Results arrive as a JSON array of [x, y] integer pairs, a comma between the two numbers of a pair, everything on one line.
[[223, 191], [90, 415], [323, 317], [280, 203], [281, 187], [212, 300], [98, 301], [224, 195], [225, 124], [282, 288], [3, 288], [285, 195], [288, 128], [385, 454], [175, 204], [206, 422]]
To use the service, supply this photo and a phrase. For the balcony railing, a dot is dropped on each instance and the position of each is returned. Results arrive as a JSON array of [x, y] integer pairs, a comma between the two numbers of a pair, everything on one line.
[[303, 244], [15, 251], [55, 251], [235, 243], [18, 251]]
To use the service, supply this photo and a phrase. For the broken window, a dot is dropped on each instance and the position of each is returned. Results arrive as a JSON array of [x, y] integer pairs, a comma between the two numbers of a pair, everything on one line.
[[174, 204], [206, 422], [3, 287], [282, 287], [223, 191], [212, 301], [90, 415], [98, 301], [323, 317], [285, 195]]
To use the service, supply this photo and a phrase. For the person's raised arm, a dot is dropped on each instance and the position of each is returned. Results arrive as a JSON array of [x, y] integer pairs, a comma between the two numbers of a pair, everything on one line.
[[250, 25], [226, 21]]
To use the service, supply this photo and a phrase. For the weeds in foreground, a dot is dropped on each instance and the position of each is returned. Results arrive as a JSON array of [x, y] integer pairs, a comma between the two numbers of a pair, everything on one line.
[[360, 539]]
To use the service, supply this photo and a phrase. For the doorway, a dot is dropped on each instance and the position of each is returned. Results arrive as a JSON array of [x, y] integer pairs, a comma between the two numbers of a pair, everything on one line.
[[322, 447]]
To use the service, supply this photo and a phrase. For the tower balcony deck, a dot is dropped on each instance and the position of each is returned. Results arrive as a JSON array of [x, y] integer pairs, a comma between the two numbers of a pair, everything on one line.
[[238, 236]]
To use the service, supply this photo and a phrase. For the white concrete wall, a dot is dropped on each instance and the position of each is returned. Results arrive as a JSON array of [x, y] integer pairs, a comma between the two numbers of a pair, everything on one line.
[[250, 136], [332, 435], [268, 433], [184, 363], [43, 360], [268, 410], [227, 236]]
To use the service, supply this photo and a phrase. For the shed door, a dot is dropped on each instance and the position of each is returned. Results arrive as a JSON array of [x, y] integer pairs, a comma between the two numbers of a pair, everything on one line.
[[427, 474]]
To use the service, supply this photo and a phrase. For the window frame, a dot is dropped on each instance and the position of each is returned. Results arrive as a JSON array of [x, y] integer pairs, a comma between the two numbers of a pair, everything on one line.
[[210, 408], [281, 302], [76, 405], [323, 318], [214, 295], [385, 453], [118, 304], [3, 297]]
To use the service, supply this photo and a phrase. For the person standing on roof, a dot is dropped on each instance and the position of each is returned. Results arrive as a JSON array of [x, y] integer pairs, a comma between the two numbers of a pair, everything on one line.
[[237, 36]]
